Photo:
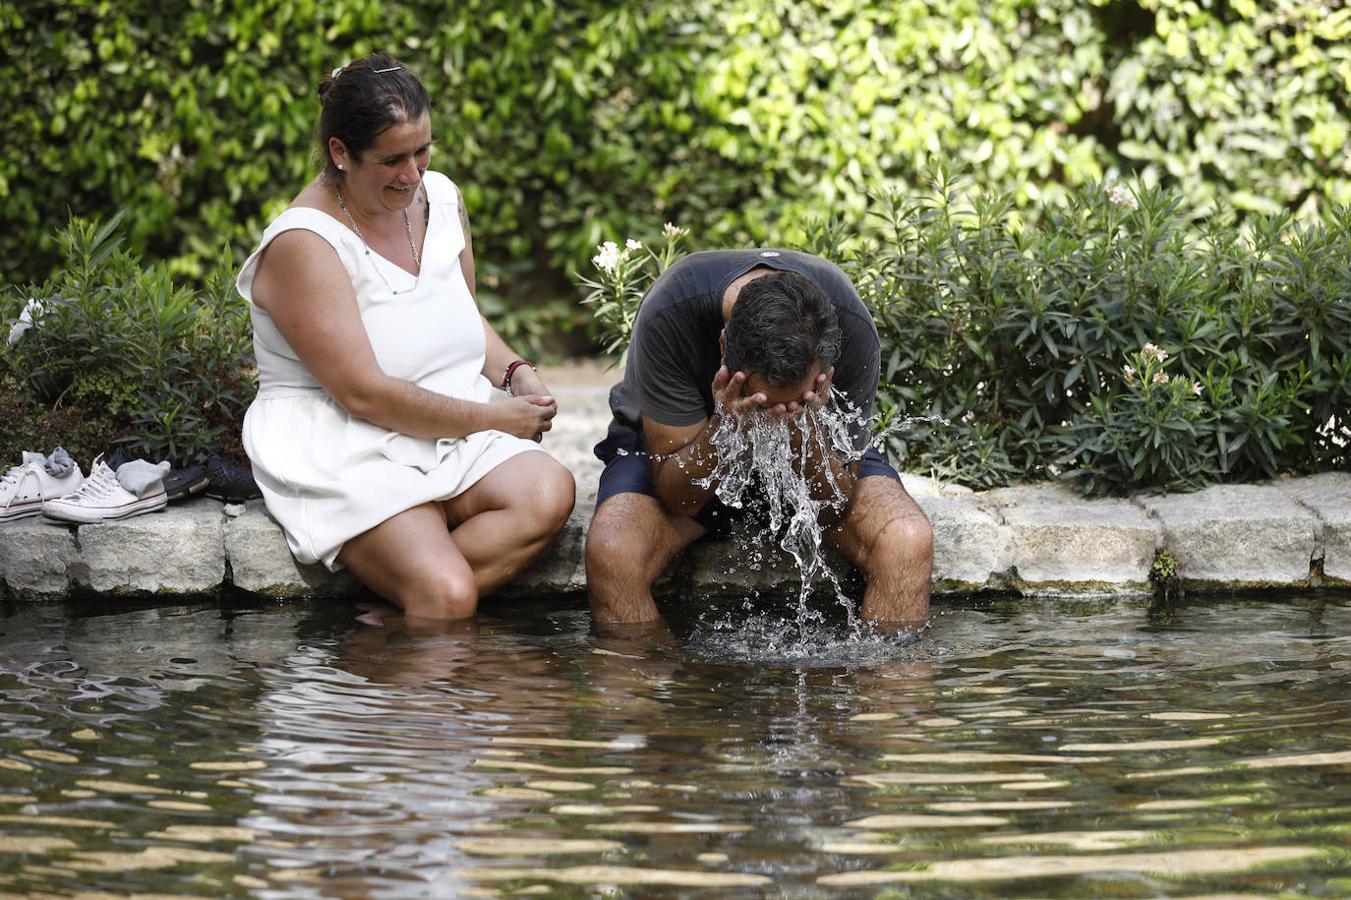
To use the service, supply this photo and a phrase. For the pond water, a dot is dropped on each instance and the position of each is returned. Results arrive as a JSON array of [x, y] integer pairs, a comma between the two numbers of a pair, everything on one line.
[[1025, 748]]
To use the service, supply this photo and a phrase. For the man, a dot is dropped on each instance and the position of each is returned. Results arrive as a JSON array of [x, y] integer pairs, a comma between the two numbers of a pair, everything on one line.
[[735, 333]]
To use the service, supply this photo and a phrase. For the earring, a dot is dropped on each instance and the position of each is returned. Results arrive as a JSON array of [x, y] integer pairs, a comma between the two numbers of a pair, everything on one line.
[[340, 168]]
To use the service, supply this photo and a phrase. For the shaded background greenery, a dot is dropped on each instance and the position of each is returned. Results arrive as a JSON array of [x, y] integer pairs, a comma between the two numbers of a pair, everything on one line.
[[571, 121], [1115, 342]]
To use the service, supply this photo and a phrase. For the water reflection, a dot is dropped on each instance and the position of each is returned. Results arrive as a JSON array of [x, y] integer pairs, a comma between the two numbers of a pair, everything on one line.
[[1035, 749]]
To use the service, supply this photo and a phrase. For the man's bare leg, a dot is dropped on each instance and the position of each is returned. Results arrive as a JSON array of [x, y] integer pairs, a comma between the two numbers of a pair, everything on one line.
[[631, 541], [885, 533]]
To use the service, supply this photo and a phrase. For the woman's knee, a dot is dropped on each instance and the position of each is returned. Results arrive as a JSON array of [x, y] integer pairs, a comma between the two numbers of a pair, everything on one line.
[[440, 595], [546, 502], [559, 496]]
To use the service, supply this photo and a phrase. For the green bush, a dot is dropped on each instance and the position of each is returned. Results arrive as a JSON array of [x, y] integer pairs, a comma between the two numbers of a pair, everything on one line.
[[569, 120], [118, 354], [1115, 343]]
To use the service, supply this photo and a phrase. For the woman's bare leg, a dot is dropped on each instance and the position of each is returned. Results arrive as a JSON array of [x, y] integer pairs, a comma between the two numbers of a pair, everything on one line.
[[411, 561], [510, 516], [416, 561]]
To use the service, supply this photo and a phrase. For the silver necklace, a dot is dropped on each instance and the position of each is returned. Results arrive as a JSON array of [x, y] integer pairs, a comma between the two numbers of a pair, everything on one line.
[[408, 227]]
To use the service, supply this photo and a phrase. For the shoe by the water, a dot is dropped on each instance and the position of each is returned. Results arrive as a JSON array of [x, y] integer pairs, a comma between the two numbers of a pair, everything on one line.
[[184, 482], [230, 482], [25, 487], [102, 498]]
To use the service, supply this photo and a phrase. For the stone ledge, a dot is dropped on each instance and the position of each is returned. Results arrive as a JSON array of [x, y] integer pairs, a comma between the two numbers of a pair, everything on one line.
[[1328, 497], [36, 559], [1037, 539], [1059, 541], [1237, 535], [178, 551]]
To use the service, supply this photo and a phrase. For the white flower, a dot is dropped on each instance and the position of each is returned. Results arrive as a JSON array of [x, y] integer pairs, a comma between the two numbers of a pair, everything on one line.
[[1121, 195], [31, 315], [607, 260], [1196, 388], [632, 244], [1129, 370], [674, 231], [1154, 352], [1160, 378]]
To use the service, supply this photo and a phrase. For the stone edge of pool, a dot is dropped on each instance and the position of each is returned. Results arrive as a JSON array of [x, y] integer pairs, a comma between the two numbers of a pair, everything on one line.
[[1032, 540]]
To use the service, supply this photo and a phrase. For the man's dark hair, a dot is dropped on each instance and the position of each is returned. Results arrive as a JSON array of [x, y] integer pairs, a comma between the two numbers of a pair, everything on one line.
[[781, 324], [363, 99]]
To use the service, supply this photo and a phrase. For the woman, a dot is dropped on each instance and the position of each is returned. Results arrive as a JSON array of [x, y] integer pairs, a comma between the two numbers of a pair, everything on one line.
[[372, 437]]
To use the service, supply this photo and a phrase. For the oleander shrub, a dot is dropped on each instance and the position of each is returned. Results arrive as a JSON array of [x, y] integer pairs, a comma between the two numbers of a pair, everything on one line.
[[1115, 343], [117, 353], [569, 120]]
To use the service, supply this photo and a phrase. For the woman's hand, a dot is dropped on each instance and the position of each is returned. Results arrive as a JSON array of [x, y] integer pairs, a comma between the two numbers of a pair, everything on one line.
[[526, 417], [525, 382]]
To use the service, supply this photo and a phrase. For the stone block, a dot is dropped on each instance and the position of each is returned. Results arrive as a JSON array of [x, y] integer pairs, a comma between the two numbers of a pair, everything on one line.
[[261, 562], [36, 558], [970, 544], [969, 550], [1059, 540], [1328, 497], [178, 551], [743, 565], [1237, 535]]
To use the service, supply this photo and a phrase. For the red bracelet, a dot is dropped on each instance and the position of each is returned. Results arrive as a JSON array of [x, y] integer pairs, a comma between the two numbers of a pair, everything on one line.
[[511, 370]]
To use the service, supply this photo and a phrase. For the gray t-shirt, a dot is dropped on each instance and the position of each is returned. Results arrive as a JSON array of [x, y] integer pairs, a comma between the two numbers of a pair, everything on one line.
[[675, 354]]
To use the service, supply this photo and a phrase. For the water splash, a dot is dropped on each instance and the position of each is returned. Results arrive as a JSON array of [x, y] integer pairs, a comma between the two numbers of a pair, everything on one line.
[[765, 638], [795, 470]]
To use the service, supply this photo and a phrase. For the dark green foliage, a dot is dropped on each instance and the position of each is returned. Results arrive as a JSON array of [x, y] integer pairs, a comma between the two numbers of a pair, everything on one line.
[[567, 122], [120, 354], [1114, 342]]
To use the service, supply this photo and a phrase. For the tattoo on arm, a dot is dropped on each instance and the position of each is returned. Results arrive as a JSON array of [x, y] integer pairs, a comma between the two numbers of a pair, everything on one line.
[[464, 218]]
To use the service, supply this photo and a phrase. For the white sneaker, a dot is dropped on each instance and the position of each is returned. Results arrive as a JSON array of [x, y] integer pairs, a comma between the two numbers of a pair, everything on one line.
[[101, 497], [25, 487]]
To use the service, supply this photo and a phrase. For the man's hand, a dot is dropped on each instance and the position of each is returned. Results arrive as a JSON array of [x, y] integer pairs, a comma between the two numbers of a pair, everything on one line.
[[815, 397], [819, 394], [729, 395]]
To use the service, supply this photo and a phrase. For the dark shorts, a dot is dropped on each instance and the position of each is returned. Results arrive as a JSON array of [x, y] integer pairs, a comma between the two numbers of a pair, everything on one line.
[[628, 471]]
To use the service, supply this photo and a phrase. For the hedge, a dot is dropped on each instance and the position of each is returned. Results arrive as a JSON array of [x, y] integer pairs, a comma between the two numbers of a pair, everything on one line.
[[1115, 343], [567, 121]]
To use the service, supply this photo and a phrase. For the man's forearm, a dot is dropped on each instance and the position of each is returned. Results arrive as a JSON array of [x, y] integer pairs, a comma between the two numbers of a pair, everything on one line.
[[675, 474]]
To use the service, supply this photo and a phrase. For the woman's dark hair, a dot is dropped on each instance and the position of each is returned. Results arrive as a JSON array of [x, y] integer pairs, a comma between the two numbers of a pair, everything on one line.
[[781, 325], [362, 99]]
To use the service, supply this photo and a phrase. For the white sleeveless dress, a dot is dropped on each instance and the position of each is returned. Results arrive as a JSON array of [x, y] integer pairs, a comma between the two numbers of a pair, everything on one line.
[[327, 477]]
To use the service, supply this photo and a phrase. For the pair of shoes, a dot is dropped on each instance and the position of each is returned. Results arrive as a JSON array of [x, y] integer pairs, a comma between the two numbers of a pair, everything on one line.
[[136, 487], [229, 482], [26, 487]]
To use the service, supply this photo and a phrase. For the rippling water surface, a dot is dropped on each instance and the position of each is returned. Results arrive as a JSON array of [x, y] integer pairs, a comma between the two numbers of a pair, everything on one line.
[[1039, 749]]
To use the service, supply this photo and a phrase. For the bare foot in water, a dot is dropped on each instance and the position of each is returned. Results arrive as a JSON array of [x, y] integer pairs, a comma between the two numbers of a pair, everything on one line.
[[376, 613]]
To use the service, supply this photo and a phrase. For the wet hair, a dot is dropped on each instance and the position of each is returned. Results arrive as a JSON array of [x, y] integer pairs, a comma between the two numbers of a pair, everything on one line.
[[781, 324], [364, 98]]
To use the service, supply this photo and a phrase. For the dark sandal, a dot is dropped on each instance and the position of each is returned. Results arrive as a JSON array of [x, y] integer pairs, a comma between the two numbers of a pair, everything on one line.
[[229, 482]]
